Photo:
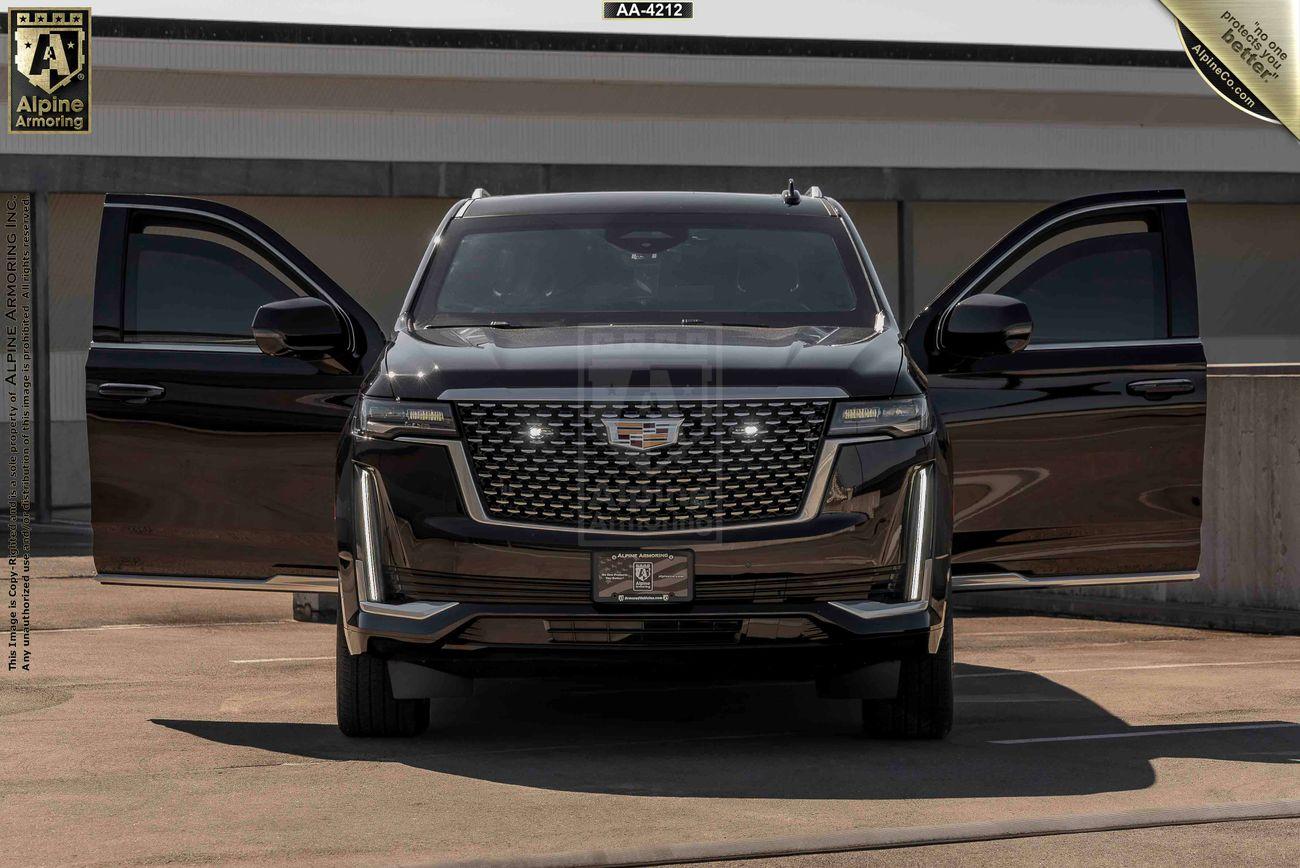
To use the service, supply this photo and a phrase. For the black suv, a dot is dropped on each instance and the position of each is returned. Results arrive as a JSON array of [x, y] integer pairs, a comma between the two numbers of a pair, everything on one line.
[[654, 434]]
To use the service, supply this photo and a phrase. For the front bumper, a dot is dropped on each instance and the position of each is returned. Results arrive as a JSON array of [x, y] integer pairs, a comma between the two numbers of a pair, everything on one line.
[[436, 622], [450, 573]]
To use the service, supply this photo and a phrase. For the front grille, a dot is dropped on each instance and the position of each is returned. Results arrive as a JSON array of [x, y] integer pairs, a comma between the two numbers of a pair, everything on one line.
[[881, 585], [714, 475]]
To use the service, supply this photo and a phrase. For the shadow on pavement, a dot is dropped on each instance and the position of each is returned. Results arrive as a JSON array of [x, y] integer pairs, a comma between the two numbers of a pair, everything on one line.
[[770, 741]]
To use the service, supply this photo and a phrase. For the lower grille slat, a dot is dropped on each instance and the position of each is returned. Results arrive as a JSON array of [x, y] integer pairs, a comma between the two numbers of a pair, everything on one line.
[[659, 632], [452, 588], [732, 463]]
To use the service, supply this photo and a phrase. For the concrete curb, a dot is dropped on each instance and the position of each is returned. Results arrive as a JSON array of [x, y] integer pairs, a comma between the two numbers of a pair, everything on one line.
[[905, 836]]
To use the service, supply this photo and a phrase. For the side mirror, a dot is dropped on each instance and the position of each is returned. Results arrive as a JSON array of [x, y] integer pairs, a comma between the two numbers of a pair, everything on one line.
[[306, 328], [987, 325]]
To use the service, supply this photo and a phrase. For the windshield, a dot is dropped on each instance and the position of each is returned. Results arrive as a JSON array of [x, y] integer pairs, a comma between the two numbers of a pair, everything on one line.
[[707, 269]]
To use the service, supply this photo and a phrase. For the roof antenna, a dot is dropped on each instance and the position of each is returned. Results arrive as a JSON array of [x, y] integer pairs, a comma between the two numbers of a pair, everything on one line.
[[790, 195]]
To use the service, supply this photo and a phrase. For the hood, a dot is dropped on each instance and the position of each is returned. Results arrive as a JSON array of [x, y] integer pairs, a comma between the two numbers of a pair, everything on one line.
[[859, 361]]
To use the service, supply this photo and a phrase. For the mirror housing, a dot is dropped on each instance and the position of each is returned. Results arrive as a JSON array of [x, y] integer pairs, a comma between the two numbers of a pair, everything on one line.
[[305, 328], [986, 325]]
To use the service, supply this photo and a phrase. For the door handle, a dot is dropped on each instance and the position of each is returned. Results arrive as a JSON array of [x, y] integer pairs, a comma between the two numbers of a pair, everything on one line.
[[1158, 390], [136, 393]]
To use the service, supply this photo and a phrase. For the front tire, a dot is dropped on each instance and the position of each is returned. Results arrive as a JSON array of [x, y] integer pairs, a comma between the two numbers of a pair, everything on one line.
[[366, 707], [924, 705]]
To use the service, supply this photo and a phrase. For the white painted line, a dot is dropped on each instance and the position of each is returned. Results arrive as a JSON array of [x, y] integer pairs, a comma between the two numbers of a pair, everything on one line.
[[158, 626], [961, 633], [1122, 668], [1143, 733], [281, 659]]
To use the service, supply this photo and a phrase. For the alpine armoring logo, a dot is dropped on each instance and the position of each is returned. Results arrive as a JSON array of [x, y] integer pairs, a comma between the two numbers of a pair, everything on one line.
[[49, 72]]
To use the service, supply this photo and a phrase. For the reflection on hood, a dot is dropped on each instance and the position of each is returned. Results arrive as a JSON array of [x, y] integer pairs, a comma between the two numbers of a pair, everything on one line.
[[567, 336]]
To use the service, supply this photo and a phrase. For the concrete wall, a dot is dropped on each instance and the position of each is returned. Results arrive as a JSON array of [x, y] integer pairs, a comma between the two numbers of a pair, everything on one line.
[[233, 100], [1250, 542]]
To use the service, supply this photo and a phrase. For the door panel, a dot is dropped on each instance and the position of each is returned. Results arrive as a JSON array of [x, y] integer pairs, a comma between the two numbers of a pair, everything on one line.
[[208, 458], [1078, 459]]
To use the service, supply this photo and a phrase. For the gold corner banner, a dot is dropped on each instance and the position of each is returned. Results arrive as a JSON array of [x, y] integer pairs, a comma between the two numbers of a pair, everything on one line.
[[1245, 50]]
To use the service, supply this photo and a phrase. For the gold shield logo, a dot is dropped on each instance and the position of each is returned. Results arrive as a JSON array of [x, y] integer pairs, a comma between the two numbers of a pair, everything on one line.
[[50, 47], [642, 434]]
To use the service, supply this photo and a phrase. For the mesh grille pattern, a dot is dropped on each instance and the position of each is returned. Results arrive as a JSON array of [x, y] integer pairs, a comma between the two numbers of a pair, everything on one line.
[[714, 475]]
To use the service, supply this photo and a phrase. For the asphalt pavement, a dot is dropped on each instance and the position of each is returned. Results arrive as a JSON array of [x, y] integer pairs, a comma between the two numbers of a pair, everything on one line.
[[197, 726]]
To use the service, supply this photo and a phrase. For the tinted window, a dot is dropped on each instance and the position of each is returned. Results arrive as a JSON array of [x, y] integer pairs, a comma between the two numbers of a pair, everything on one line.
[[529, 271], [1110, 288], [187, 289]]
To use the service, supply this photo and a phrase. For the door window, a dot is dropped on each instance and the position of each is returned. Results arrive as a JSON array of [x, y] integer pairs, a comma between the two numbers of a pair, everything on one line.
[[1095, 284], [187, 289]]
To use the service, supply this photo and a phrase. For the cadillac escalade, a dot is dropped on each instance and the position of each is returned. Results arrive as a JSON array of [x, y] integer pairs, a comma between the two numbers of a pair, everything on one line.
[[649, 435]]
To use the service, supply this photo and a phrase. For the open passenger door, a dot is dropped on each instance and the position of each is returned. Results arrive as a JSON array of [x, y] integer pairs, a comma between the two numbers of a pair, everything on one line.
[[213, 463], [1077, 459]]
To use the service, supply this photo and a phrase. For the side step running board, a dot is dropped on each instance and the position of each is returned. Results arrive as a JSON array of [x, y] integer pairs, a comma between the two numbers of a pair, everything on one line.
[[1016, 581], [309, 584]]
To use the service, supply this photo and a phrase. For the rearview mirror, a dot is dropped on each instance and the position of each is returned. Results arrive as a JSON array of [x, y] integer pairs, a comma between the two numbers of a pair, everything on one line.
[[987, 325], [306, 328]]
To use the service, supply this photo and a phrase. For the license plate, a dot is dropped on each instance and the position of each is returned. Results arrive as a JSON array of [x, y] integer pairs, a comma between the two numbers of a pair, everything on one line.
[[642, 577]]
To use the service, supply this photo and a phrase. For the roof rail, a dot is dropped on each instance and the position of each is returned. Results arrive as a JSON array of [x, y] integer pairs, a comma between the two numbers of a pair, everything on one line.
[[479, 193], [816, 192], [790, 195]]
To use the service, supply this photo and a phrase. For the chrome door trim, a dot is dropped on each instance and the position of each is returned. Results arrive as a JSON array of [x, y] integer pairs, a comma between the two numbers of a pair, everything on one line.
[[1088, 345], [208, 215], [1031, 239], [1014, 581], [666, 394], [308, 584], [816, 493], [175, 347]]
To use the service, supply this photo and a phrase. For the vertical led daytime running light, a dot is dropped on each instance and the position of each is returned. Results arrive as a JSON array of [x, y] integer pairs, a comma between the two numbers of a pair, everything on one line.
[[370, 575], [919, 532]]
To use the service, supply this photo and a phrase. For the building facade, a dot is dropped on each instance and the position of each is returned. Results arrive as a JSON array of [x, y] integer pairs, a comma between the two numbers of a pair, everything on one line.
[[353, 142]]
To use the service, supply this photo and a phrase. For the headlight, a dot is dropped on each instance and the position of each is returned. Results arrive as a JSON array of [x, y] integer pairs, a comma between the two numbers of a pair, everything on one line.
[[896, 417], [383, 417]]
